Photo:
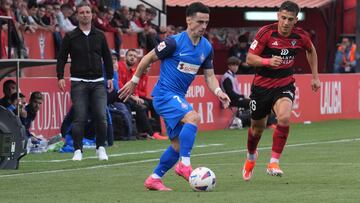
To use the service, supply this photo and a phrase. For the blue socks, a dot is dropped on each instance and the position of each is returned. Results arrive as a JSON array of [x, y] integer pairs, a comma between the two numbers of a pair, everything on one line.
[[167, 160], [187, 139]]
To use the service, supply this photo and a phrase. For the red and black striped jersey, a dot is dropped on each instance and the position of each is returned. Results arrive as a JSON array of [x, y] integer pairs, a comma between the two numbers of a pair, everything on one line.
[[268, 43]]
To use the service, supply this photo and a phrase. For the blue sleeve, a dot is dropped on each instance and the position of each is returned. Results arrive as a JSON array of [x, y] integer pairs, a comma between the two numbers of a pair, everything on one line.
[[208, 63], [165, 48]]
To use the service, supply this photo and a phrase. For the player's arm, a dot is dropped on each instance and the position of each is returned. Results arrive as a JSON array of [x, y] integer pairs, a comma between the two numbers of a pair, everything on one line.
[[128, 89], [312, 59], [163, 50], [213, 85], [258, 61], [257, 47]]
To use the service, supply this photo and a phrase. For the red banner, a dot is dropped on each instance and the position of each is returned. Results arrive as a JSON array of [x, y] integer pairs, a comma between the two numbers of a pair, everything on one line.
[[338, 98]]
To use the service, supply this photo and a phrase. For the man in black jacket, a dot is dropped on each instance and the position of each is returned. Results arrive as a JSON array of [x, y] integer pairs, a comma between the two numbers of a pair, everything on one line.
[[88, 50]]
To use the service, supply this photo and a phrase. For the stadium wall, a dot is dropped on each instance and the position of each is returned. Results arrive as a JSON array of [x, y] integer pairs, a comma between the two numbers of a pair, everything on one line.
[[338, 98]]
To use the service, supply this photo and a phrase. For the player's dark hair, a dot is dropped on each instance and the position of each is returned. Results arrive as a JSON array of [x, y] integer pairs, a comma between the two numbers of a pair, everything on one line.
[[196, 7], [290, 6]]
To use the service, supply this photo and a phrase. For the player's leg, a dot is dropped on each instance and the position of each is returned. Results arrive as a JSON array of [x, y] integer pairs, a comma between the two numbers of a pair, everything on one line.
[[98, 109], [187, 139], [260, 107], [167, 160], [282, 109], [80, 103], [254, 134]]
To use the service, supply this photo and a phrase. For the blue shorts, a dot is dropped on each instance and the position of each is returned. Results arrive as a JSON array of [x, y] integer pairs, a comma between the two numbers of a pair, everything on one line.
[[172, 108]]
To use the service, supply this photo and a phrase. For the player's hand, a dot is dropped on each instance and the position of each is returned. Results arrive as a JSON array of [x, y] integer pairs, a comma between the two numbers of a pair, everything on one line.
[[62, 85], [127, 90], [275, 61], [315, 84], [224, 98]]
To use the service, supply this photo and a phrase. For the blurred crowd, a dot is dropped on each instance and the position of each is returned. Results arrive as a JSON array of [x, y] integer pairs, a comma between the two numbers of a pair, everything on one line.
[[58, 16]]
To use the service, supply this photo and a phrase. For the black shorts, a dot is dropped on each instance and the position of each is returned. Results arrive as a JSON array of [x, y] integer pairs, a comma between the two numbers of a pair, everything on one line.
[[263, 100]]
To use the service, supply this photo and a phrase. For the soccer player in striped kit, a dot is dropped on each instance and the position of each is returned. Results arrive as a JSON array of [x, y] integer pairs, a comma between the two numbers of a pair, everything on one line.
[[273, 53]]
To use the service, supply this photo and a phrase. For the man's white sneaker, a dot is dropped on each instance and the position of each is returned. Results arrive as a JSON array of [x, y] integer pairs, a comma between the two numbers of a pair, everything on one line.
[[77, 155], [101, 154]]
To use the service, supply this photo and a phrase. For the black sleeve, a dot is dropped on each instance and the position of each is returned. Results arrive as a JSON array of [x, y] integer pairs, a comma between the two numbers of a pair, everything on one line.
[[63, 56], [229, 90], [108, 65]]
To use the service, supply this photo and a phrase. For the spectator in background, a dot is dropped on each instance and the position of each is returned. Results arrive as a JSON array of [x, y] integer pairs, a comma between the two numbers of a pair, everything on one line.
[[101, 20], [230, 84], [148, 102], [240, 51], [63, 18], [9, 88], [121, 19], [170, 30], [126, 71], [122, 119], [114, 4], [152, 31], [6, 10], [31, 109], [18, 103], [88, 51], [38, 14], [49, 19], [345, 57]]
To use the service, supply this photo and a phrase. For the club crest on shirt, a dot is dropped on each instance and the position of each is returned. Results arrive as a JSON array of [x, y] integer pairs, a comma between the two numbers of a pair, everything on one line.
[[184, 106], [293, 42], [161, 46]]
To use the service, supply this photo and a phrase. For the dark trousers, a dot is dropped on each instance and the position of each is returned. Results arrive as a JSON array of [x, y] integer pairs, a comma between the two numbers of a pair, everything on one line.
[[85, 95], [142, 119]]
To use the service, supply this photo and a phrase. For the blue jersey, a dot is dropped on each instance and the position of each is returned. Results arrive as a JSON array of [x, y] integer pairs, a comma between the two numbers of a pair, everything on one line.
[[180, 62]]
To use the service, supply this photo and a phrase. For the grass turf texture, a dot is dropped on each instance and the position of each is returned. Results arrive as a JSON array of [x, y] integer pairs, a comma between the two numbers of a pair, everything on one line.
[[321, 164]]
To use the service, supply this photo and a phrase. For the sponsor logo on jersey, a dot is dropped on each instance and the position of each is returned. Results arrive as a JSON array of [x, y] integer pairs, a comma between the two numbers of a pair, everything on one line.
[[161, 46], [284, 52], [254, 44], [188, 68], [293, 43]]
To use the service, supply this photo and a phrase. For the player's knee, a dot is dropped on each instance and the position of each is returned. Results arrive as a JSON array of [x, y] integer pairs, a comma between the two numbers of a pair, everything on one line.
[[283, 120]]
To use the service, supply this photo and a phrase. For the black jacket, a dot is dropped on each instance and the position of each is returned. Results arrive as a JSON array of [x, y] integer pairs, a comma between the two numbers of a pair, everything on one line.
[[87, 55]]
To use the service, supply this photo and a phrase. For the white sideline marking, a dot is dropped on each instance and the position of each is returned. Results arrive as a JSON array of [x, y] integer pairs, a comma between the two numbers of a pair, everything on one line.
[[151, 160], [117, 155]]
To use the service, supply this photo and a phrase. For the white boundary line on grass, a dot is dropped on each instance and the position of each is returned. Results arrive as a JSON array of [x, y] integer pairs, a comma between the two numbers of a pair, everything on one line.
[[118, 155], [151, 160]]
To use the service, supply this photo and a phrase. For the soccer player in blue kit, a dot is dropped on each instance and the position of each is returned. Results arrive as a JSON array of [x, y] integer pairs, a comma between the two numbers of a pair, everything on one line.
[[181, 57]]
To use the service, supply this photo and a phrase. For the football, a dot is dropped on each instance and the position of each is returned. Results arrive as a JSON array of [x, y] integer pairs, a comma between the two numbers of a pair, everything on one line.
[[202, 179]]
